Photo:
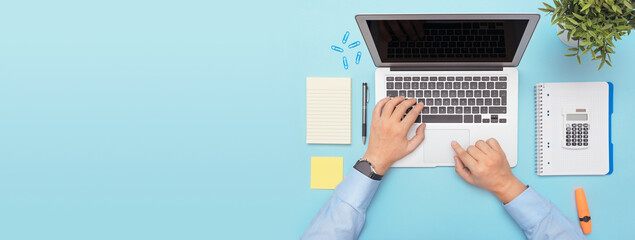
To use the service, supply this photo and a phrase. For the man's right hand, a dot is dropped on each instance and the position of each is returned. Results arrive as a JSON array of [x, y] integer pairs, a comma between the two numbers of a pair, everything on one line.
[[485, 165]]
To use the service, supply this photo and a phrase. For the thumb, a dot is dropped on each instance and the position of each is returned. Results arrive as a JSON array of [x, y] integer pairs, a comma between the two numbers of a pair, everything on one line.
[[462, 171], [417, 139]]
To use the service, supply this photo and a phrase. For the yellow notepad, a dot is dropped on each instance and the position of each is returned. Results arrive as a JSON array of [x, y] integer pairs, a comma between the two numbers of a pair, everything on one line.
[[326, 172], [328, 110]]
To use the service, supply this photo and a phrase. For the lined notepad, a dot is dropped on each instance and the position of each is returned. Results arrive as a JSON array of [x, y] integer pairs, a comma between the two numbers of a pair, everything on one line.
[[328, 110]]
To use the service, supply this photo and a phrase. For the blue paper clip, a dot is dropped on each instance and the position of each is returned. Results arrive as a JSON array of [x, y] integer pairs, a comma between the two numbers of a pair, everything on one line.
[[345, 62], [345, 37], [358, 57], [336, 48], [355, 44]]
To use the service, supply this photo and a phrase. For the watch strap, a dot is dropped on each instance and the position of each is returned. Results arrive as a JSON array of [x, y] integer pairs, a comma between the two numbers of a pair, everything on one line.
[[366, 168]]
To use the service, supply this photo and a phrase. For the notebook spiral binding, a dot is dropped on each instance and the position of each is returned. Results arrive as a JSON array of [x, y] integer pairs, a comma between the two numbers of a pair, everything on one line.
[[539, 120]]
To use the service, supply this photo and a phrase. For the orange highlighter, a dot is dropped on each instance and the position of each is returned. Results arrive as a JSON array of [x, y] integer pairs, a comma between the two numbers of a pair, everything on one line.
[[583, 211]]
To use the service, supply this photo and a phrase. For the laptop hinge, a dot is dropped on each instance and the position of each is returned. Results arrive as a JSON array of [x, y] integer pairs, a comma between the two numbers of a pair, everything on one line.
[[446, 68]]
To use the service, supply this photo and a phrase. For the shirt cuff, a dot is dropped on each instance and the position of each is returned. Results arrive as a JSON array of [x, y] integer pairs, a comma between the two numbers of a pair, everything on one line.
[[528, 209], [357, 189]]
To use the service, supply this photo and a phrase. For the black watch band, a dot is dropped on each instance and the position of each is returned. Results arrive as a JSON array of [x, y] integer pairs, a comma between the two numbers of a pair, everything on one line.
[[366, 168]]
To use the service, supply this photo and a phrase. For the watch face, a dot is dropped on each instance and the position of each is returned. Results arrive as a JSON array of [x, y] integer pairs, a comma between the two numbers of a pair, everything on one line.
[[364, 167]]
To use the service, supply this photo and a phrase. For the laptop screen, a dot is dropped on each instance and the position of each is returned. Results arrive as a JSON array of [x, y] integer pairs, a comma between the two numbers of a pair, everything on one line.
[[403, 41]]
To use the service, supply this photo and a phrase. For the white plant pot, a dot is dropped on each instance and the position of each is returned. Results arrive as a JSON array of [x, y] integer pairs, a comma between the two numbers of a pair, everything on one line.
[[563, 38]]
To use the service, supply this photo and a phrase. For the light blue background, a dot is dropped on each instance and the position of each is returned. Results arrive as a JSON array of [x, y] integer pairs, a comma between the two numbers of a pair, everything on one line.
[[186, 120]]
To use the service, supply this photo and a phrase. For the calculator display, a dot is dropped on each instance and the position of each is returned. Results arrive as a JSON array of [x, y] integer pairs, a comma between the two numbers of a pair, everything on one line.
[[577, 117]]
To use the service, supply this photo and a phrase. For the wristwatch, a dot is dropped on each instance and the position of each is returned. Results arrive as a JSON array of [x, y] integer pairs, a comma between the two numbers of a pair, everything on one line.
[[366, 168]]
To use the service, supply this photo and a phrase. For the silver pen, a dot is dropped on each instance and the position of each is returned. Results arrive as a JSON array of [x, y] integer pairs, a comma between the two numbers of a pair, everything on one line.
[[364, 106]]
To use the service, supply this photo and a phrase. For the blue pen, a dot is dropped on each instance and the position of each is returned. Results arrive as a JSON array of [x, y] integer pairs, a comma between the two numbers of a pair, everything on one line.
[[345, 37], [345, 62], [336, 48], [358, 57], [355, 44]]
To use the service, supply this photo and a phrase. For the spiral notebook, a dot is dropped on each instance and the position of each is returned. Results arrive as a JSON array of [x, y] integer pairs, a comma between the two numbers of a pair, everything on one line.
[[573, 128]]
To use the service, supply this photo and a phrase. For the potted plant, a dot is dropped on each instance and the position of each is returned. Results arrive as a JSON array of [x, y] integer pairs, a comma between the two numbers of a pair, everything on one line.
[[593, 24]]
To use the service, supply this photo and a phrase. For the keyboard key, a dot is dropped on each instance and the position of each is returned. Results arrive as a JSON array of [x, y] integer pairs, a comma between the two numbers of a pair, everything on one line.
[[433, 110], [465, 85], [446, 101], [436, 93], [485, 93], [475, 110], [490, 85], [423, 85], [483, 110], [467, 118], [433, 78], [494, 120], [450, 110], [448, 85], [411, 93], [476, 78], [485, 78], [471, 101], [419, 93], [442, 118], [402, 93], [390, 79], [467, 110], [481, 85], [497, 101], [398, 85], [450, 78], [477, 93], [494, 93], [398, 78], [486, 120], [426, 110], [424, 78], [463, 101], [455, 101], [501, 85], [468, 78], [440, 85], [459, 110], [432, 85], [461, 93], [473, 85], [427, 93], [407, 78], [494, 78], [459, 78], [442, 110], [437, 101], [392, 93], [502, 120], [502, 78], [444, 93], [406, 85], [497, 109], [390, 85], [429, 102], [414, 85], [488, 101], [477, 118], [457, 85], [415, 78], [421, 100], [418, 120], [469, 93], [479, 101], [453, 93], [441, 78]]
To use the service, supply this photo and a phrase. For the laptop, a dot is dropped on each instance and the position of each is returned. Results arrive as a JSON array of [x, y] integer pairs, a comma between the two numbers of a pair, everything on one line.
[[461, 66]]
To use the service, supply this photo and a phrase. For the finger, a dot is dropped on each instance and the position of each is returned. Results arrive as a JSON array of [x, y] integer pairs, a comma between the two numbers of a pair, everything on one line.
[[494, 144], [476, 153], [460, 169], [412, 115], [468, 160], [400, 110], [390, 107], [481, 145], [378, 107], [414, 142]]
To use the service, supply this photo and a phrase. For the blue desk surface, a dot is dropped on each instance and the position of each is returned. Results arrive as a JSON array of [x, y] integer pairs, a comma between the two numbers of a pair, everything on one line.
[[186, 120]]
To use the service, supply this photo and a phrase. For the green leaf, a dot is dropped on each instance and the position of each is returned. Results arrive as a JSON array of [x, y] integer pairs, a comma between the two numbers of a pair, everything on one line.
[[573, 49], [544, 9], [601, 65], [587, 6], [572, 21], [578, 16], [549, 6], [570, 54], [578, 57]]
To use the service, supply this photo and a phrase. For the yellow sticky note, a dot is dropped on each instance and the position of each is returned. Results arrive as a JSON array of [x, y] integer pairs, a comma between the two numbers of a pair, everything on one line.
[[326, 172]]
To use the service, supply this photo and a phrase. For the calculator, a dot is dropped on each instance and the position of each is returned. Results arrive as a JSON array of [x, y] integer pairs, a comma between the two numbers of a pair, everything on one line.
[[576, 128]]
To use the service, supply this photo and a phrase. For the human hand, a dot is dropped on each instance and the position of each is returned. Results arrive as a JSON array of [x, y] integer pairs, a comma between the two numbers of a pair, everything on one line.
[[388, 142], [485, 165]]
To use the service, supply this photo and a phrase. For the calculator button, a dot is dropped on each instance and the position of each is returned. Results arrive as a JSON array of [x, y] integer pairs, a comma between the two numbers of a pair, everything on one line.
[[586, 144], [586, 125], [586, 140], [568, 144]]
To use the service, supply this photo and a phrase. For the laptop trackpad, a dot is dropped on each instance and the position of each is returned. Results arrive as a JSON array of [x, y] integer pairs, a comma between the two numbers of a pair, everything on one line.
[[437, 148]]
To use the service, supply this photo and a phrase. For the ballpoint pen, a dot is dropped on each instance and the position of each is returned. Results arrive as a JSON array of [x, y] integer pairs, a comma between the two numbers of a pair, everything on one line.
[[364, 106]]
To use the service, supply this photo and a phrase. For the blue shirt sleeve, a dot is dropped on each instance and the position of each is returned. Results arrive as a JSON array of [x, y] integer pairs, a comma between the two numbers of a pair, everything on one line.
[[539, 218], [344, 214]]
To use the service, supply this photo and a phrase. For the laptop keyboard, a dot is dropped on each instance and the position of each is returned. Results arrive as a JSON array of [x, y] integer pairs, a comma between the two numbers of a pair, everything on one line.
[[454, 99]]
